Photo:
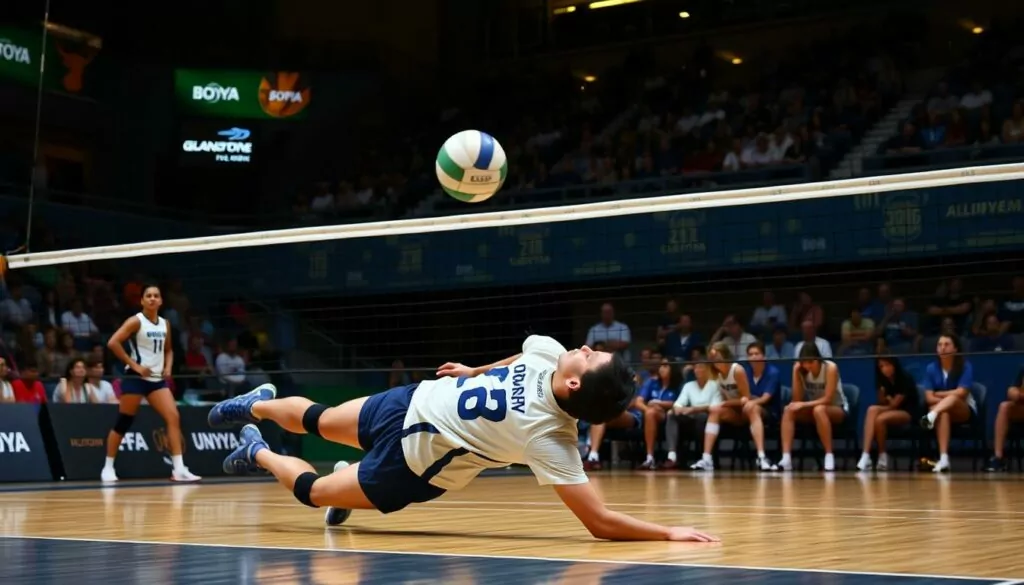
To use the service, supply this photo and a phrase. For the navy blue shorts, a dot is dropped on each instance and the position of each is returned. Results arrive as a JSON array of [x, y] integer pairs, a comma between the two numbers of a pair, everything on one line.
[[133, 384], [384, 475], [638, 418]]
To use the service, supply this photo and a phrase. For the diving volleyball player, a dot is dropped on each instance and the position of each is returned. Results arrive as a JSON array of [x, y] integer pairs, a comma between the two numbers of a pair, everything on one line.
[[146, 371], [427, 438]]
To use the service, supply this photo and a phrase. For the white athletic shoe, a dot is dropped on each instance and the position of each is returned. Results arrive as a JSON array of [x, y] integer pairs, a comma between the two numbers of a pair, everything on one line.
[[703, 465], [941, 466], [108, 475], [764, 464], [183, 475], [883, 462], [337, 516]]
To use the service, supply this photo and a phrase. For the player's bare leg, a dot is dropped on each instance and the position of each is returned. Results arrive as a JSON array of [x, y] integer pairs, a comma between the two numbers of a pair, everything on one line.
[[339, 424], [340, 490]]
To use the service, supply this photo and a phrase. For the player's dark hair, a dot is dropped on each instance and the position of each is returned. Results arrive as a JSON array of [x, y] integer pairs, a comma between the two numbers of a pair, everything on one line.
[[148, 285], [604, 393], [808, 353]]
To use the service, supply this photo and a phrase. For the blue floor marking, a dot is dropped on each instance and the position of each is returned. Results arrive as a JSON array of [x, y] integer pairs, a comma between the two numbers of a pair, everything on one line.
[[38, 561]]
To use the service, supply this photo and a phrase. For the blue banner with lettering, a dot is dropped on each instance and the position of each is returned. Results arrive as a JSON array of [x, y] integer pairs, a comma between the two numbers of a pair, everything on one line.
[[940, 221]]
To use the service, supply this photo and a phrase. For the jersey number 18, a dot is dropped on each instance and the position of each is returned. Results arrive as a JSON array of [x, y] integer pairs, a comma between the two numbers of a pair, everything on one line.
[[479, 397]]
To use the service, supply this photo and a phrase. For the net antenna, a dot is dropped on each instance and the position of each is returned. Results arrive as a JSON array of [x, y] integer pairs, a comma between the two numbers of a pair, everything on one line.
[[616, 208], [35, 135]]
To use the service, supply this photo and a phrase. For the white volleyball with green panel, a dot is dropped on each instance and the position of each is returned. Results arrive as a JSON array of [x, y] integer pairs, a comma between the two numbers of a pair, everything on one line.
[[471, 166]]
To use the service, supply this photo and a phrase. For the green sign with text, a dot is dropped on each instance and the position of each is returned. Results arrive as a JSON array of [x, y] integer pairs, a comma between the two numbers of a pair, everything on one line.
[[242, 94]]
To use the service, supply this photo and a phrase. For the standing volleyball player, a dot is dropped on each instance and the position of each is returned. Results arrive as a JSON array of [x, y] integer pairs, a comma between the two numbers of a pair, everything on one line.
[[438, 435], [146, 371]]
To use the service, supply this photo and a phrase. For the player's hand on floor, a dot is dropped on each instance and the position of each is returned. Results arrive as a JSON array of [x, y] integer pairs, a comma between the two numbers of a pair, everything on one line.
[[687, 534], [454, 370]]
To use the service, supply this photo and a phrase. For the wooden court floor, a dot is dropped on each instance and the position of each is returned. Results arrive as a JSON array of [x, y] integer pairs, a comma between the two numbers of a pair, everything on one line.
[[951, 525]]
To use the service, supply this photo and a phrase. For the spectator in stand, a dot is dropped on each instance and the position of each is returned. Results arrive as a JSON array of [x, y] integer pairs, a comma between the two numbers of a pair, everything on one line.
[[49, 316], [806, 309], [615, 335], [993, 338], [1010, 411], [72, 388], [869, 308], [707, 161], [947, 382], [942, 103], [857, 334], [15, 310], [669, 321], [768, 315], [976, 98], [898, 330], [1013, 127], [933, 134], [679, 344], [956, 132], [732, 334], [763, 404], [6, 389], [28, 388], [231, 368], [780, 348], [691, 409], [100, 390], [197, 365], [759, 154], [907, 142], [1011, 310], [985, 135], [811, 338], [897, 405], [80, 325], [977, 319], [47, 356], [732, 161], [798, 151], [949, 301]]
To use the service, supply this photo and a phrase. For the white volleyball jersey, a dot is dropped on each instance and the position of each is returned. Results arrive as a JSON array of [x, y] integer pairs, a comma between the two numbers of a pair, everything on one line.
[[147, 346], [814, 386], [727, 384], [457, 427]]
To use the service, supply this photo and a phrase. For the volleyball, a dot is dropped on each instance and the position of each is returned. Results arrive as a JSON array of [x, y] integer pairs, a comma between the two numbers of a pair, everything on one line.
[[471, 166]]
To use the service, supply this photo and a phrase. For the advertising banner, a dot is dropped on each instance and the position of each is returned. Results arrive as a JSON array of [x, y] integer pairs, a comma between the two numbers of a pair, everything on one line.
[[242, 94], [81, 433], [22, 452], [209, 144], [69, 56]]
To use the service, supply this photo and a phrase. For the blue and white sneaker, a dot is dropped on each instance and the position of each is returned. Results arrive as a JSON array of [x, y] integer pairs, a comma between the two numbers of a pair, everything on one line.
[[243, 459], [337, 516], [239, 409]]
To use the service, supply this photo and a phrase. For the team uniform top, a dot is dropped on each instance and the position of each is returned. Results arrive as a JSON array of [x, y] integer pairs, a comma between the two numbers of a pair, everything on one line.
[[504, 416], [730, 390], [814, 386], [147, 346]]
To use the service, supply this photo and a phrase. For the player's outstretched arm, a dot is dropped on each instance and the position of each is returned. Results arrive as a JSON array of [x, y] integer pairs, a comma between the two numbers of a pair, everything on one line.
[[606, 524]]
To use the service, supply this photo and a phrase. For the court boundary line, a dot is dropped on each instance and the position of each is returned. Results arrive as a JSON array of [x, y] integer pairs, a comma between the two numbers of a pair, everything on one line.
[[990, 580], [526, 507], [54, 486]]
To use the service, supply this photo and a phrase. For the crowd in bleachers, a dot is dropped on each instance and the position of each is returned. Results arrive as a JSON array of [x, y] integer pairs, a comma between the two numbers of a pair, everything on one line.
[[976, 112], [694, 387]]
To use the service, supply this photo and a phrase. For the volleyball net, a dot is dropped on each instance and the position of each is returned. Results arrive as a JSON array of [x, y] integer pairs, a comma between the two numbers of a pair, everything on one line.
[[469, 287]]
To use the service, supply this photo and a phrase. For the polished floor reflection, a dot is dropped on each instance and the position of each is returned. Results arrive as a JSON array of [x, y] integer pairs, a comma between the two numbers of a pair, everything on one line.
[[775, 529]]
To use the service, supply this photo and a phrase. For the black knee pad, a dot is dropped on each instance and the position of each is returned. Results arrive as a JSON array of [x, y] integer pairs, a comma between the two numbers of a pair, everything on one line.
[[304, 488], [311, 419], [124, 422]]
